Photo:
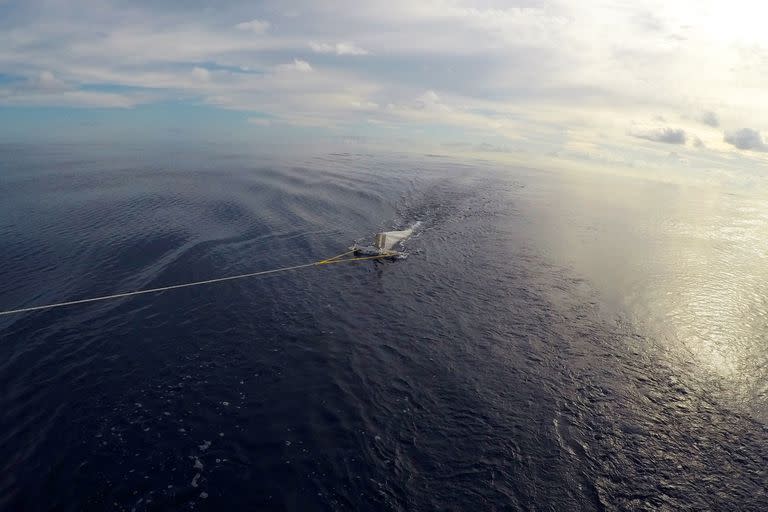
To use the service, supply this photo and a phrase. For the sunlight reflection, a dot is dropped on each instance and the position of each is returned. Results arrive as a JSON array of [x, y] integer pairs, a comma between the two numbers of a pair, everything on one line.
[[686, 263]]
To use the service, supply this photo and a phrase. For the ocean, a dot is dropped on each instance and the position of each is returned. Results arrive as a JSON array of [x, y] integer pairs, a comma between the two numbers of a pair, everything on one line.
[[554, 340]]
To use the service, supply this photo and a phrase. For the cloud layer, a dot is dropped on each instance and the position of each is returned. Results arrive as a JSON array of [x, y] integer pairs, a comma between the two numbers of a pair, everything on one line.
[[586, 79], [665, 135], [338, 48]]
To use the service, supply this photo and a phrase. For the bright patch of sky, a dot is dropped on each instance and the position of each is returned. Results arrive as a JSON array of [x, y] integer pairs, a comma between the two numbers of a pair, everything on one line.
[[610, 82]]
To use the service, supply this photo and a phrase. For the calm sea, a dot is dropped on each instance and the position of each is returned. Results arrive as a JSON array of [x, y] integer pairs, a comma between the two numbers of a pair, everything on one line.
[[555, 341]]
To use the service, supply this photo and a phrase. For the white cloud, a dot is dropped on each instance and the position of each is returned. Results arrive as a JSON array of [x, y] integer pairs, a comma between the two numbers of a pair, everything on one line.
[[430, 98], [47, 81], [256, 26], [297, 65], [363, 105], [665, 134], [201, 74], [322, 47], [350, 49], [338, 48]]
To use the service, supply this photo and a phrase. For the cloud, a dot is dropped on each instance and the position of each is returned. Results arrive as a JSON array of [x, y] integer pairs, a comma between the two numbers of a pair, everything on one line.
[[710, 118], [429, 100], [338, 48], [493, 148], [746, 138], [322, 47], [297, 65], [544, 74], [666, 135], [72, 98], [201, 74], [674, 156], [256, 26], [430, 96], [47, 89], [45, 82]]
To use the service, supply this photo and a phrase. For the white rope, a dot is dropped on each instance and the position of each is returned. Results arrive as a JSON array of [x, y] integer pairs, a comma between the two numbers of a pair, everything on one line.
[[156, 290]]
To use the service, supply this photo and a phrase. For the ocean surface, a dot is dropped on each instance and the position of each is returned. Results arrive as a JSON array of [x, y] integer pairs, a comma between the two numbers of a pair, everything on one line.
[[554, 341]]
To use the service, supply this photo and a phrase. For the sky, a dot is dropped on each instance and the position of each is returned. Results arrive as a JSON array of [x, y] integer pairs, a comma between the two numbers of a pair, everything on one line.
[[638, 84]]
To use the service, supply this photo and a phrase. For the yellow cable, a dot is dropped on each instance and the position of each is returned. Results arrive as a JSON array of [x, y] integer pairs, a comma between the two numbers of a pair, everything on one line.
[[335, 257]]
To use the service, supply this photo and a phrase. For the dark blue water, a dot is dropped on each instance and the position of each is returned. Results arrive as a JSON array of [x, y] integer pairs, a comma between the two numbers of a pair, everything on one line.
[[553, 342]]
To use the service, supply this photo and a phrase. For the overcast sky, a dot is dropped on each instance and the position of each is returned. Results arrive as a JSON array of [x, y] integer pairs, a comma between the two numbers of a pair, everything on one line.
[[625, 82]]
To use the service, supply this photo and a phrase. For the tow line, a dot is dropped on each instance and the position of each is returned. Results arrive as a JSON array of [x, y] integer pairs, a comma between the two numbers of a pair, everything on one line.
[[340, 258]]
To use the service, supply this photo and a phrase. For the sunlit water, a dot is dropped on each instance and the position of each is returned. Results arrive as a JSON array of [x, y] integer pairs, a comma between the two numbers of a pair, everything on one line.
[[553, 342]]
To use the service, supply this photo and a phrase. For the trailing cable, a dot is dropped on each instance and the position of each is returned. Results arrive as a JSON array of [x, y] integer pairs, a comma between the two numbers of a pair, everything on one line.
[[329, 261]]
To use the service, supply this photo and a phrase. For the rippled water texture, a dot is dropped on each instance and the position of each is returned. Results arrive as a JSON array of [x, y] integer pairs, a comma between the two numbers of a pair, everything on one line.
[[553, 342]]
